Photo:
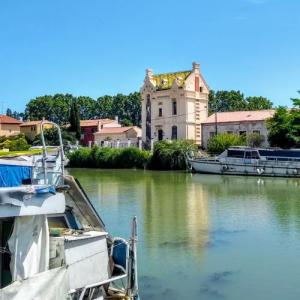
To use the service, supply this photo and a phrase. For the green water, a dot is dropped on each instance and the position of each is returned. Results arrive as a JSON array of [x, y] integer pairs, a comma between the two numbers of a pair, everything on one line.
[[205, 236]]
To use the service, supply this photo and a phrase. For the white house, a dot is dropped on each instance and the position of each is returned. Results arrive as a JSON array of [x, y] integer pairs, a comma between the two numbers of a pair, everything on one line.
[[174, 105]]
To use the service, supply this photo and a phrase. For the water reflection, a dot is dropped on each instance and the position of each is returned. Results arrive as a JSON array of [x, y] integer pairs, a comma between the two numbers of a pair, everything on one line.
[[175, 212], [205, 237]]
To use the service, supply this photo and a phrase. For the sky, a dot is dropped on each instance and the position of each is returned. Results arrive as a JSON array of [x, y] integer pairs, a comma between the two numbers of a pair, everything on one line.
[[98, 47]]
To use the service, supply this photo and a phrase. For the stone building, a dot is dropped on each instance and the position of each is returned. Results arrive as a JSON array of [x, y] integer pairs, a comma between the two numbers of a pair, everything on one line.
[[174, 105], [237, 122]]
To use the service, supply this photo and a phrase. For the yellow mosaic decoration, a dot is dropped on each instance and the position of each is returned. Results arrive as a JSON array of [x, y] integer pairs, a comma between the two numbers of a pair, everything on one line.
[[165, 81]]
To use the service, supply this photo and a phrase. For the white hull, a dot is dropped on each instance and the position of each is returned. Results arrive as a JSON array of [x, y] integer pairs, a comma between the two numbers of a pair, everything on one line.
[[246, 167]]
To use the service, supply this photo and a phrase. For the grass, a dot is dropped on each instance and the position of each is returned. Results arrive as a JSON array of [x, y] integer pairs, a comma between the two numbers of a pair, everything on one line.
[[18, 153]]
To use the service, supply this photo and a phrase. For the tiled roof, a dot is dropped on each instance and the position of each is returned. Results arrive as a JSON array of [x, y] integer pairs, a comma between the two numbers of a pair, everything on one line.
[[31, 123], [165, 81], [240, 116], [88, 123], [116, 130], [8, 120]]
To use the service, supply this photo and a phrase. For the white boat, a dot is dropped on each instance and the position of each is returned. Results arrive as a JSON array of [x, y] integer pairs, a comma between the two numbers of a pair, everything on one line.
[[249, 161], [53, 243]]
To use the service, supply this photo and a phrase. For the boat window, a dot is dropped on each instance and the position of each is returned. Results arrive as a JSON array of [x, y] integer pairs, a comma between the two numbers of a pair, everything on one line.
[[254, 155], [235, 153], [280, 153], [248, 155]]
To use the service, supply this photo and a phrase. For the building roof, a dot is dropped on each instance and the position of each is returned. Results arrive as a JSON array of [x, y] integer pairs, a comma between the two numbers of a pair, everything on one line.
[[165, 81], [116, 130], [88, 123], [240, 116], [31, 123], [4, 119]]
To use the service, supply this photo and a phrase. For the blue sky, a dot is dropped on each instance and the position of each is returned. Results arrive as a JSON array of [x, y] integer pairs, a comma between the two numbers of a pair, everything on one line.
[[97, 47]]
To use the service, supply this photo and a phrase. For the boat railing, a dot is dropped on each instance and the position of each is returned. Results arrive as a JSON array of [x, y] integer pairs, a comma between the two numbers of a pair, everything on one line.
[[46, 170]]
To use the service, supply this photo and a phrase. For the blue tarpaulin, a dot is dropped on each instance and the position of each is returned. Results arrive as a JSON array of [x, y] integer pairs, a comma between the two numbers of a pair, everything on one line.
[[13, 175]]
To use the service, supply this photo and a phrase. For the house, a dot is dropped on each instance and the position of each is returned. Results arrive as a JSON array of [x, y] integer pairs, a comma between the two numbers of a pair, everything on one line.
[[120, 134], [32, 128], [9, 126], [89, 127], [174, 105], [237, 122]]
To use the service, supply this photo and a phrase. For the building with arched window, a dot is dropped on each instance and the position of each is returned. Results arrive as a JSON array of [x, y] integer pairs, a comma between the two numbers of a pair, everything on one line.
[[174, 105]]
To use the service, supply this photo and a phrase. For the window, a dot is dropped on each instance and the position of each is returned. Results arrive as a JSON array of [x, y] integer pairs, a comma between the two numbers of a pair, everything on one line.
[[201, 89], [254, 155], [235, 153], [174, 132], [230, 132], [242, 132], [32, 128], [160, 134], [160, 112], [248, 155], [174, 107], [256, 131]]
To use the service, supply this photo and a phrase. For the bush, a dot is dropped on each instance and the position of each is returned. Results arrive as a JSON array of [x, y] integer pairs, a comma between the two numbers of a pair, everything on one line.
[[170, 155], [51, 137], [255, 140], [220, 142], [16, 144], [109, 158]]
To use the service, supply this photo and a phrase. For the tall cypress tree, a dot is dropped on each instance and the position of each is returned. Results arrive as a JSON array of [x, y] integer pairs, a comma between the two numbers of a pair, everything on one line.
[[75, 119]]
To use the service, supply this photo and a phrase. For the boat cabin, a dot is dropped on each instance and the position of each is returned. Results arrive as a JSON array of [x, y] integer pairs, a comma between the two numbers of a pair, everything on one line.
[[263, 154]]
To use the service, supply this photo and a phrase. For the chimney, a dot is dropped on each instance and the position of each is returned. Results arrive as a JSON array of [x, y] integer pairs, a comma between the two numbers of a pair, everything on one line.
[[117, 119], [196, 67], [99, 126], [149, 73]]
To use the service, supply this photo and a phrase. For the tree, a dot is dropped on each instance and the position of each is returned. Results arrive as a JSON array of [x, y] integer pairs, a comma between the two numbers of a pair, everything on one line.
[[86, 107], [9, 112], [279, 129], [222, 141], [75, 119], [295, 121], [53, 108], [222, 101], [255, 139], [258, 103]]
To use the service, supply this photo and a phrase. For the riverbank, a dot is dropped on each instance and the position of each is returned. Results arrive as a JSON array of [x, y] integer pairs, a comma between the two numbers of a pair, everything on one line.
[[166, 156]]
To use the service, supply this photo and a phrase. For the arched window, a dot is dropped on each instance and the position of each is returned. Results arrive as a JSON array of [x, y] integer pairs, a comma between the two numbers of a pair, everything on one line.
[[174, 132]]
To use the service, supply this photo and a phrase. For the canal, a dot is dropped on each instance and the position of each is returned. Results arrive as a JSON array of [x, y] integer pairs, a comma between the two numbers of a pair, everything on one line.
[[205, 236]]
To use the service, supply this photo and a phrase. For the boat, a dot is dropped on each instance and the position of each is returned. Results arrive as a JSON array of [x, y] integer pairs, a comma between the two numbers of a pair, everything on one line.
[[249, 161], [53, 243]]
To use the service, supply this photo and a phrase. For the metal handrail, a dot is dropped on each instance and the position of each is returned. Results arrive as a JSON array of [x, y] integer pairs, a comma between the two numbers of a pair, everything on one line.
[[61, 148]]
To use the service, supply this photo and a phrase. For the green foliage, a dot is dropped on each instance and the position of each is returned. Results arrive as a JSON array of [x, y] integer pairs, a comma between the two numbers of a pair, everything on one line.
[[52, 139], [75, 120], [255, 140], [258, 103], [14, 143], [223, 101], [56, 108], [279, 129], [170, 155], [220, 142], [53, 108], [109, 158]]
